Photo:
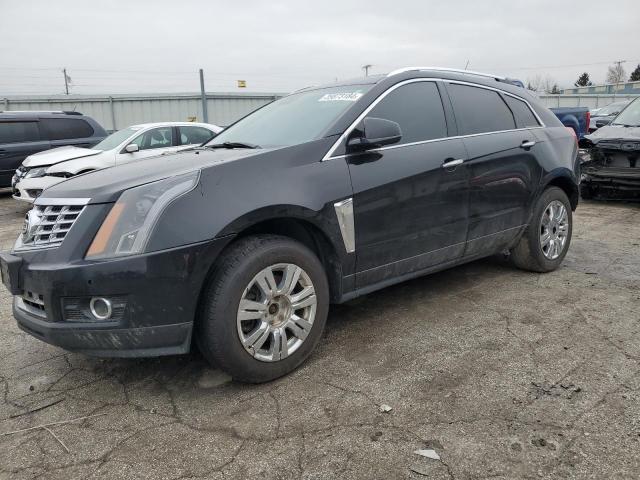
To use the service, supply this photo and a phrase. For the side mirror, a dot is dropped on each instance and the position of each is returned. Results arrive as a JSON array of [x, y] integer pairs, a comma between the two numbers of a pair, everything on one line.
[[131, 148], [602, 122], [377, 132]]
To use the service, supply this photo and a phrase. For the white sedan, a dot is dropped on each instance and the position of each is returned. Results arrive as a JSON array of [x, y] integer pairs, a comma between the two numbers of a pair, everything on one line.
[[43, 169]]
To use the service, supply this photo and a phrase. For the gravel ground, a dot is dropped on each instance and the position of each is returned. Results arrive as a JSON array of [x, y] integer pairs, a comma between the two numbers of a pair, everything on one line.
[[505, 374]]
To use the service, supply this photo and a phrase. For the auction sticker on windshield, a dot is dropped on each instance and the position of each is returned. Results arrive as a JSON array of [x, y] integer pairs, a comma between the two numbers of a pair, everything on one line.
[[340, 97]]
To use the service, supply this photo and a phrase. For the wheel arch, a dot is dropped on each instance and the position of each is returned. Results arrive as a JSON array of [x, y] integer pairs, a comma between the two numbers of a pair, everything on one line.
[[567, 184]]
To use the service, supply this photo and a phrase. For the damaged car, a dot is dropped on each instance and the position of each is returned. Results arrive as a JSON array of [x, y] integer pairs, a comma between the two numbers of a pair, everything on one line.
[[611, 165], [240, 246], [45, 169]]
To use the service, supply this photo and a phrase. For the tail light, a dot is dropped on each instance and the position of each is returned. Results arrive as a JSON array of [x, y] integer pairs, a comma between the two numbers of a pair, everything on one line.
[[588, 121]]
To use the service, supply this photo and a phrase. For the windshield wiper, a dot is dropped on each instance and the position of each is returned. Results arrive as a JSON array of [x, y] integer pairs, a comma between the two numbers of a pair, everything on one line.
[[233, 145]]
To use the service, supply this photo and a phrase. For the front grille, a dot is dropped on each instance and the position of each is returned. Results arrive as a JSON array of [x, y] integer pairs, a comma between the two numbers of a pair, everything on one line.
[[49, 224], [33, 303]]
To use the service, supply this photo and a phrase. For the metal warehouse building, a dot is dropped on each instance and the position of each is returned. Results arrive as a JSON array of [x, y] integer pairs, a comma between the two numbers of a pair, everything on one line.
[[119, 111]]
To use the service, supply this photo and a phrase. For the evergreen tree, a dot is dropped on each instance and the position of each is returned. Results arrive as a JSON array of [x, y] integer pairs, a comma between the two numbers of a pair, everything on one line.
[[635, 75], [584, 81]]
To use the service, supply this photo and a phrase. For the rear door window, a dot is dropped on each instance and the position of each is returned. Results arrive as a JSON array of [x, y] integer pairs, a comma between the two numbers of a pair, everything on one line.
[[19, 132], [521, 111], [479, 110], [63, 128], [417, 108], [194, 135]]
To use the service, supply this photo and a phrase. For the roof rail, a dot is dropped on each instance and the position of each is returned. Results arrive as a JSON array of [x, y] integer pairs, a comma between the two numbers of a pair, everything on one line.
[[60, 112], [441, 69]]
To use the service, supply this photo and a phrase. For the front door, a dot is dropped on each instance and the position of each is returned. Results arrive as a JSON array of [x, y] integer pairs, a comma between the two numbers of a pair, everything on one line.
[[411, 198], [151, 143]]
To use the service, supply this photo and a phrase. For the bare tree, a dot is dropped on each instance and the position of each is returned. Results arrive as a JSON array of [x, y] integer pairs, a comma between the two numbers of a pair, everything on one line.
[[544, 84], [616, 73]]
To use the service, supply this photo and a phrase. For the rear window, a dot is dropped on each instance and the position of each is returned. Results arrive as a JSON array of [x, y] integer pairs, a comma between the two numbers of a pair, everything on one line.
[[63, 128], [479, 110], [524, 116], [19, 132]]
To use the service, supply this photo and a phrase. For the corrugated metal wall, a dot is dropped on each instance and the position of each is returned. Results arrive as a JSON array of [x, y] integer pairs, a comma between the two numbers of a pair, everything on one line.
[[119, 111], [590, 101]]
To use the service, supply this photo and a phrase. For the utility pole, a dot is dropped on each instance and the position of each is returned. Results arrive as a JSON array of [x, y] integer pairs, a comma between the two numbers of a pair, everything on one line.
[[66, 81], [618, 67], [366, 69], [205, 114]]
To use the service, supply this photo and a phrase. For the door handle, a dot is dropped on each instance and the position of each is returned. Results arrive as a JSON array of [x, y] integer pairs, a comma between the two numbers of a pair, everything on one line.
[[452, 163], [527, 144]]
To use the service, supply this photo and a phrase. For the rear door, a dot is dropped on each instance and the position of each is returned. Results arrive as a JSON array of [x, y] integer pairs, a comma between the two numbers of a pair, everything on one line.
[[18, 140], [62, 131], [502, 164], [409, 212]]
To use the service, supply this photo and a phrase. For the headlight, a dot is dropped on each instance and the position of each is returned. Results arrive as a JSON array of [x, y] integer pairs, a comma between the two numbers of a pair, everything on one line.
[[37, 172], [129, 224]]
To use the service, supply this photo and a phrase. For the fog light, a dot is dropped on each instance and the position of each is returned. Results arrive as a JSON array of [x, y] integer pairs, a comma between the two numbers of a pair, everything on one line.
[[100, 308]]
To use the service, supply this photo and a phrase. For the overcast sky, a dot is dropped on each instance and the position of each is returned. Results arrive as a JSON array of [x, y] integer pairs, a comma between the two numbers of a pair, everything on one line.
[[157, 46]]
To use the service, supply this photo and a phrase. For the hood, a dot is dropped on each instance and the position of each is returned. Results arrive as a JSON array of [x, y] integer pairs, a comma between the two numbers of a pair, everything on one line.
[[614, 132], [105, 185], [56, 155]]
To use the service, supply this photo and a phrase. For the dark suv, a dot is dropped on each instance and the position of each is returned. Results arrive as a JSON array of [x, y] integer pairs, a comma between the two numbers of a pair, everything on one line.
[[25, 133], [324, 195]]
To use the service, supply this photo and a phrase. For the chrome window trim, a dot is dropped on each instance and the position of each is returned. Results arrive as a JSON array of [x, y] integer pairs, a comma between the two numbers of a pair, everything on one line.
[[55, 202], [347, 132]]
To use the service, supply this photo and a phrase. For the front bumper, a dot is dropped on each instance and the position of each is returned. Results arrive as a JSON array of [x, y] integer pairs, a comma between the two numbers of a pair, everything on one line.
[[617, 181], [161, 292], [28, 189]]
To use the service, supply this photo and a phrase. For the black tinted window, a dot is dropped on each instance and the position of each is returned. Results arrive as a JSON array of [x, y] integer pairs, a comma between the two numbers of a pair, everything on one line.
[[194, 135], [522, 112], [417, 107], [17, 132], [479, 110], [62, 128]]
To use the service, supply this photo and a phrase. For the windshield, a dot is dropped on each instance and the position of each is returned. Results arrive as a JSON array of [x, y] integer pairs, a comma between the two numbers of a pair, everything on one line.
[[115, 139], [630, 115], [611, 109], [294, 119]]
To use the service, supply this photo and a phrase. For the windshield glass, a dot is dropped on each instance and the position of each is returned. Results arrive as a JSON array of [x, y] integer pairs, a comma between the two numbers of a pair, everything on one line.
[[294, 119], [611, 109], [630, 115], [115, 139]]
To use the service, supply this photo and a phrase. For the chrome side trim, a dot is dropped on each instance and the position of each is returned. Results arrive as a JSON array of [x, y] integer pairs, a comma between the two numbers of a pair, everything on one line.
[[444, 69], [345, 134], [344, 212], [61, 201]]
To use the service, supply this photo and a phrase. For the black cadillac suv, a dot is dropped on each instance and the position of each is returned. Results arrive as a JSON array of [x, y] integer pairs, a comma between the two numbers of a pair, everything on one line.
[[241, 245]]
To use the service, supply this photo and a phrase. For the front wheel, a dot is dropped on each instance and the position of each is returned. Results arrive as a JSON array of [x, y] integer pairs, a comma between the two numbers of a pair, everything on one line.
[[546, 240], [264, 309]]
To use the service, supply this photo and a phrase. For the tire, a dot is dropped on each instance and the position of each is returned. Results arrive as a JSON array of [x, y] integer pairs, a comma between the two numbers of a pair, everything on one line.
[[220, 331], [529, 253]]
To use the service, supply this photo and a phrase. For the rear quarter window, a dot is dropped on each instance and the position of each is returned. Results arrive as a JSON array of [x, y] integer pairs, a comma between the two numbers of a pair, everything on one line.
[[19, 132], [522, 113], [479, 110], [63, 128]]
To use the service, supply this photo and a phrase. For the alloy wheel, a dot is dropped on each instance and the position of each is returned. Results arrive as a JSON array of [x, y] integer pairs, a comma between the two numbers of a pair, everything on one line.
[[554, 229], [276, 312]]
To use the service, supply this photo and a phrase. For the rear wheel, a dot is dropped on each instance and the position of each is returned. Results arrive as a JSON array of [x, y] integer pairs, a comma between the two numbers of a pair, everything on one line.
[[546, 240], [264, 310]]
